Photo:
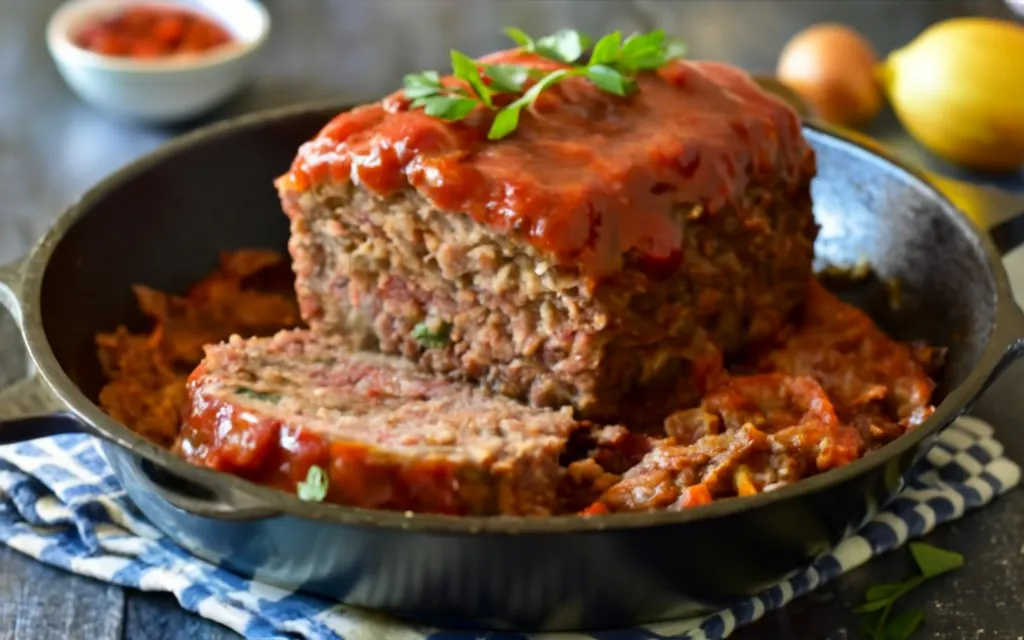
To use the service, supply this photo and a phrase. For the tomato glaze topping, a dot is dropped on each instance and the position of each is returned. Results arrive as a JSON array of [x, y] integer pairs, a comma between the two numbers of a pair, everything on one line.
[[587, 176]]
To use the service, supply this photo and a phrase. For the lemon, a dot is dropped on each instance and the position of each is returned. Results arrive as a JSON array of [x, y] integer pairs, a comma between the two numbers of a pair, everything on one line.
[[958, 89]]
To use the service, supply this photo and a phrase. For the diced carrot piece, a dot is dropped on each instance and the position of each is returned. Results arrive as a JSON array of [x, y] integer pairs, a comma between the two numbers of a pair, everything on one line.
[[695, 496], [744, 483]]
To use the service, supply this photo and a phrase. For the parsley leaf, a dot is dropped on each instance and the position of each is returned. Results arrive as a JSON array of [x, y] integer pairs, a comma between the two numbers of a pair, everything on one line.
[[642, 43], [420, 91], [314, 487], [933, 561], [465, 68], [882, 596], [504, 123], [646, 52], [429, 79], [446, 107], [882, 591], [675, 49], [606, 51], [612, 65], [565, 45], [508, 118], [520, 38], [432, 338], [610, 80], [509, 78], [902, 626]]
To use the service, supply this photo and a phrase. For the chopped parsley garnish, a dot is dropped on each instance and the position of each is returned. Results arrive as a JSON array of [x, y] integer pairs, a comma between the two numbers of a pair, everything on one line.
[[314, 487], [879, 599], [433, 336], [258, 395], [612, 67]]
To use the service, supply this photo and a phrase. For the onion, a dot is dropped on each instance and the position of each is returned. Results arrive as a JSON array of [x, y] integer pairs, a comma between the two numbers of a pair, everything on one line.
[[832, 67]]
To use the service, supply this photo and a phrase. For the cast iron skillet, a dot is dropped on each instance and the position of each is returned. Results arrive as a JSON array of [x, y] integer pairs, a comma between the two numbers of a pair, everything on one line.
[[162, 222]]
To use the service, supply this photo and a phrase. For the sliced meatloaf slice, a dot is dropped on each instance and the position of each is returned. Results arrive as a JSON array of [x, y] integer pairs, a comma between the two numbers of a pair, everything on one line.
[[388, 435], [604, 255]]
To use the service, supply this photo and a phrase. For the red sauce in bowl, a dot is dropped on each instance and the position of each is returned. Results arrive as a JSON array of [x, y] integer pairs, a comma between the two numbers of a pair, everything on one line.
[[151, 31]]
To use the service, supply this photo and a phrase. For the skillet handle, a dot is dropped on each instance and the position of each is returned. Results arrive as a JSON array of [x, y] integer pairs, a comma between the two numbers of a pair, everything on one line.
[[1005, 346], [29, 408]]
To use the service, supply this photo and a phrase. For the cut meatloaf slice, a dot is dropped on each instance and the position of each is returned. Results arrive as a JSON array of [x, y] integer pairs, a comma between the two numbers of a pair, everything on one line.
[[604, 255], [388, 435]]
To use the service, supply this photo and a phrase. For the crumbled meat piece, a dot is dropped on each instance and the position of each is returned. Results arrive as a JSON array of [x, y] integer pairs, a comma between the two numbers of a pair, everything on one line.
[[875, 383], [751, 434]]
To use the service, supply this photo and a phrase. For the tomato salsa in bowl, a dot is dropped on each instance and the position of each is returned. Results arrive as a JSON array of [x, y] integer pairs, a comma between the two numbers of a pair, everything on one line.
[[156, 61], [153, 31]]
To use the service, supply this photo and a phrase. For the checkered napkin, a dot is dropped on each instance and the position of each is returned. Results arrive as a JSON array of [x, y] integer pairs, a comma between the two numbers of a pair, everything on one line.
[[61, 504]]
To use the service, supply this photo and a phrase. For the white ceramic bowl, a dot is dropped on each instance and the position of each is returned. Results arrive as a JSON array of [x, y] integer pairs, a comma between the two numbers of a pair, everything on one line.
[[159, 90]]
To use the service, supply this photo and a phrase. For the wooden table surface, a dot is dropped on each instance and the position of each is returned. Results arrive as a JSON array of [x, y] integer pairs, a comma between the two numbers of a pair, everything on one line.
[[52, 147]]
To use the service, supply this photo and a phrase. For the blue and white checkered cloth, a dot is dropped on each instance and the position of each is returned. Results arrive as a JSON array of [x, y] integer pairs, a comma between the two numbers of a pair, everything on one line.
[[61, 504]]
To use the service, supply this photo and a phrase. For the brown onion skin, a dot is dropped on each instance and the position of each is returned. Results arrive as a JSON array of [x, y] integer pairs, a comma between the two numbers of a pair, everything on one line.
[[833, 68]]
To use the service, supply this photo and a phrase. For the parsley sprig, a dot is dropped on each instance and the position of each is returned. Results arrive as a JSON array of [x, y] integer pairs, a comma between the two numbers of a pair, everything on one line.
[[879, 599], [314, 487], [612, 66], [433, 335]]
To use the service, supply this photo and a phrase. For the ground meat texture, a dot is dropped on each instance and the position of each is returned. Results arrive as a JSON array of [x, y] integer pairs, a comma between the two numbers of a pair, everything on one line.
[[604, 256], [595, 460], [389, 435]]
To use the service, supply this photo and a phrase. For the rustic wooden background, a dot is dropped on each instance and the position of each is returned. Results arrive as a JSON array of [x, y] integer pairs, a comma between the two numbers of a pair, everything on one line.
[[52, 148]]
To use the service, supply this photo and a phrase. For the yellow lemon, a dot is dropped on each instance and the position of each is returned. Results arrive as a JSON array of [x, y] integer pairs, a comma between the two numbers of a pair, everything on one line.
[[958, 88]]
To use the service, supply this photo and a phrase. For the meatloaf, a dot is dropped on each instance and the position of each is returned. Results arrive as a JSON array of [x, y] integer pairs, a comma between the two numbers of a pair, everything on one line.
[[604, 255], [385, 434]]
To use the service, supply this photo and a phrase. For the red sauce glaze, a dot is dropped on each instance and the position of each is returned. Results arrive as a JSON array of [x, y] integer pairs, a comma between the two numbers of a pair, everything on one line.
[[588, 176], [222, 436], [152, 32]]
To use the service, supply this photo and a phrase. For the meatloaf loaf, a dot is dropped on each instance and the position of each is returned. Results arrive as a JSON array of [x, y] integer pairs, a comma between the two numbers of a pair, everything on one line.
[[603, 255], [385, 434]]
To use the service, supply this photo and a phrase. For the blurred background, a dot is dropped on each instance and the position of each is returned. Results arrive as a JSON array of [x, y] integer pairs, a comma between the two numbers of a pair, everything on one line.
[[53, 146]]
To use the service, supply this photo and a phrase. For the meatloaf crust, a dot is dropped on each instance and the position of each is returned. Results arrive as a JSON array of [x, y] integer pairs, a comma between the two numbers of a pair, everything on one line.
[[604, 255], [388, 435]]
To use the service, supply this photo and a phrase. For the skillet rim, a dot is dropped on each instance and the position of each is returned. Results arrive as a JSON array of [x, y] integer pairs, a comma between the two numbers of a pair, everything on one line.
[[98, 423]]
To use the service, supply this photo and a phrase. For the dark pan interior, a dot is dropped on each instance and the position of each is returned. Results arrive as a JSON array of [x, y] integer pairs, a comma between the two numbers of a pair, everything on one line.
[[164, 223], [924, 253], [164, 226]]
